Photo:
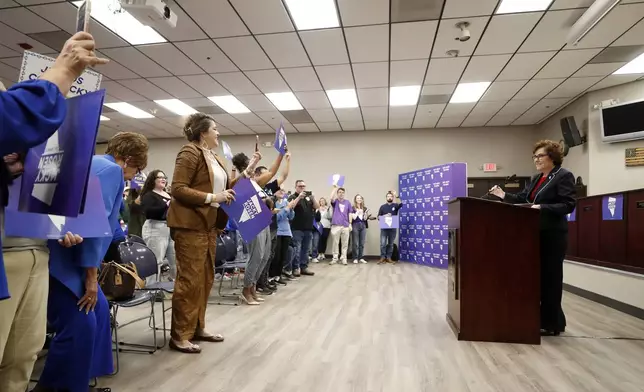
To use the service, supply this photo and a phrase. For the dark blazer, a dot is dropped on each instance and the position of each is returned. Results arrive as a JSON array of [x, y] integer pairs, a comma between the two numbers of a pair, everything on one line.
[[556, 196]]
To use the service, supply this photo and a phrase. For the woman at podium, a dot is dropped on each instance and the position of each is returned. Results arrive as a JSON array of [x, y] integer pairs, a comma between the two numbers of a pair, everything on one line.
[[552, 191]]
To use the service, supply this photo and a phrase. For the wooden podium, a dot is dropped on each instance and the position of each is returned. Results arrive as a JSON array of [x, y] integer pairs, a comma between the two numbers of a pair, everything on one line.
[[493, 271]]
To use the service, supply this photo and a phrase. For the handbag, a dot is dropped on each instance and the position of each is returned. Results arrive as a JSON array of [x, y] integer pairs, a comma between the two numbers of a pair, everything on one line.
[[118, 281]]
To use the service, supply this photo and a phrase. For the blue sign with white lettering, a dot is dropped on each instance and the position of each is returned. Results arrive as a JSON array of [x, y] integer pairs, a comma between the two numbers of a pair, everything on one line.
[[249, 212]]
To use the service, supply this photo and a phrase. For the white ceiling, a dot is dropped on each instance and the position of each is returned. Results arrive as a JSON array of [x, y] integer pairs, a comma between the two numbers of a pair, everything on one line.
[[250, 47]]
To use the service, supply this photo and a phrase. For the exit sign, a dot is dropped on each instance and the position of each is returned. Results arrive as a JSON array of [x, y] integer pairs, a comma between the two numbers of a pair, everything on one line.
[[489, 167]]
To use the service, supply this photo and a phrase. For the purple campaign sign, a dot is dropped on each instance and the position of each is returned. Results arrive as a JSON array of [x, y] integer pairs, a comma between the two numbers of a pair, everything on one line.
[[613, 207], [68, 152], [280, 140], [572, 217], [337, 179], [228, 152], [92, 223], [138, 181], [389, 222], [318, 226], [248, 211]]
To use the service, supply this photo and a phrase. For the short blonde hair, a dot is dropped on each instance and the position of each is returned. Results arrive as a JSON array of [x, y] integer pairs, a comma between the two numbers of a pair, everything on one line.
[[129, 146]]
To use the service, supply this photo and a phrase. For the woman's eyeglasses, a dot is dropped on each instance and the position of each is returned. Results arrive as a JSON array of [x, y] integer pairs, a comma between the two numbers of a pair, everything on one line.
[[539, 156]]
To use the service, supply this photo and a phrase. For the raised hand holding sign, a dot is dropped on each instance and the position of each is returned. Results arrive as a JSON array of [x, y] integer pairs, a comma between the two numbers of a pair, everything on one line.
[[280, 140]]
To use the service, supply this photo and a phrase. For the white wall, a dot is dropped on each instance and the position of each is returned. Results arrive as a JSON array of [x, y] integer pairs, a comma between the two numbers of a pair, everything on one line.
[[371, 161], [602, 168]]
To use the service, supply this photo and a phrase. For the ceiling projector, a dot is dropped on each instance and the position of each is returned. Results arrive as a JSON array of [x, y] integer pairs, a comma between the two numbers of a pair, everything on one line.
[[153, 13]]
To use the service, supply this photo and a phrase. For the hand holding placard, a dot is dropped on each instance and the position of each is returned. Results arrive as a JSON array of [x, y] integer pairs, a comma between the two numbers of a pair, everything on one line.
[[280, 140], [337, 180]]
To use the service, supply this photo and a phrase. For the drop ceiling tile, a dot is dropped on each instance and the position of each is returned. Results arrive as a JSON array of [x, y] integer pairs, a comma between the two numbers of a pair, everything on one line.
[[567, 4], [373, 97], [376, 125], [335, 76], [363, 12], [10, 38], [407, 73], [136, 61], [348, 114], [273, 118], [6, 52], [15, 62], [617, 54], [154, 109], [313, 99], [8, 4], [449, 122], [285, 50], [369, 75], [484, 68], [268, 81], [615, 80], [497, 40], [170, 58], [216, 17], [329, 127], [447, 70], [198, 102], [566, 63], [249, 119], [402, 112], [524, 66], [176, 87], [8, 72], [245, 52], [25, 21], [263, 16], [114, 70], [376, 113], [463, 8], [617, 22], [207, 55], [301, 79], [448, 32], [603, 69], [322, 115], [487, 109], [121, 92], [147, 89], [307, 128], [516, 107], [256, 102], [573, 86], [400, 123], [205, 85], [540, 110], [236, 83], [352, 125], [409, 11], [458, 109], [475, 121], [185, 30], [502, 91], [501, 121], [368, 43], [325, 47], [413, 40], [551, 31], [438, 89], [634, 36], [538, 88], [262, 129]]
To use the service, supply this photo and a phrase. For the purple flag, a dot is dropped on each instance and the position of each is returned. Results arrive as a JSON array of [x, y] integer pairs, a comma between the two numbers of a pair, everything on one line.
[[613, 207], [228, 153], [318, 226], [138, 181], [92, 223], [337, 179], [280, 140], [572, 217], [248, 211], [68, 152], [389, 222]]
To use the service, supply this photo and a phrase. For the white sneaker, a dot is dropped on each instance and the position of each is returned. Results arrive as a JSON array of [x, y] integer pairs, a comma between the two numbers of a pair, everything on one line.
[[333, 261], [321, 257], [355, 261], [363, 261], [344, 261], [314, 260]]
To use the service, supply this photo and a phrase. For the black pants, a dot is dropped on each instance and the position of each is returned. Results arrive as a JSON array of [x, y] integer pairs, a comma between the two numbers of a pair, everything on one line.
[[324, 239], [281, 256], [553, 251]]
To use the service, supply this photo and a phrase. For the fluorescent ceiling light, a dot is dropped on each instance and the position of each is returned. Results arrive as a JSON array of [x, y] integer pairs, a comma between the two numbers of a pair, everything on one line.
[[230, 104], [635, 66], [129, 110], [176, 106], [284, 101], [110, 14], [318, 14], [103, 118], [514, 6], [469, 92], [404, 96], [341, 99]]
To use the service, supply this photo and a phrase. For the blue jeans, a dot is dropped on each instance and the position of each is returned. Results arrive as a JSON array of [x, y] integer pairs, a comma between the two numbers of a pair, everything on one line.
[[359, 234], [387, 239], [315, 241], [302, 241]]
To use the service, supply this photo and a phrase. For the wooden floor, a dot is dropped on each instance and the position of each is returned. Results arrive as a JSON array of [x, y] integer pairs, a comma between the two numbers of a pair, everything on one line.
[[382, 328]]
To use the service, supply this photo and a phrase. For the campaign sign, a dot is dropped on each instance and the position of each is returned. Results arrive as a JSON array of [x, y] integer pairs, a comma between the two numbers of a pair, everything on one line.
[[572, 217], [613, 207], [228, 152], [389, 222], [54, 181], [138, 181], [318, 226], [337, 180], [248, 211], [34, 65], [92, 223], [280, 140]]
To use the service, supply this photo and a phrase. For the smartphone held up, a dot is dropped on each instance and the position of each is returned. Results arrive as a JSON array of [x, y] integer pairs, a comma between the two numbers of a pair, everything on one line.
[[83, 16]]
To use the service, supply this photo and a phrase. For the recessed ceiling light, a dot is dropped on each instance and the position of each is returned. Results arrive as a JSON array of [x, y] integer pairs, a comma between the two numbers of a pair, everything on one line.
[[129, 110], [230, 104], [341, 99], [284, 101], [103, 118], [122, 23], [469, 92], [635, 66], [176, 106], [514, 6], [404, 96], [318, 14]]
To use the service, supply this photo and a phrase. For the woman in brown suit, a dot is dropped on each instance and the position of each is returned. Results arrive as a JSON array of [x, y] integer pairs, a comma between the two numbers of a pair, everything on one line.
[[199, 184]]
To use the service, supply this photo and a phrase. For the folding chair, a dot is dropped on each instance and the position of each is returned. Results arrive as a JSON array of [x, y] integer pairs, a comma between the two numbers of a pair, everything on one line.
[[146, 264], [233, 253]]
